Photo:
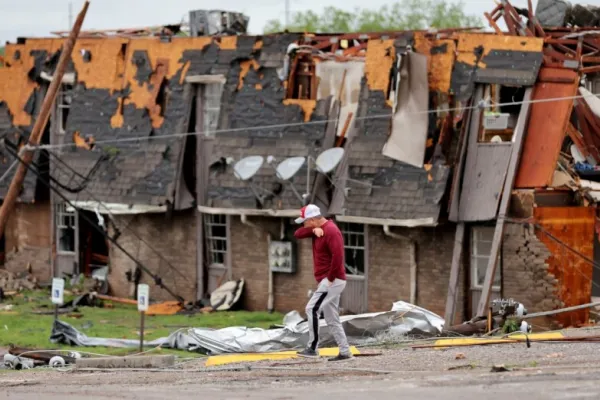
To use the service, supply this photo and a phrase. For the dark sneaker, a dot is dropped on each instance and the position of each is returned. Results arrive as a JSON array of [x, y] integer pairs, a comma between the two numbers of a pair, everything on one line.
[[341, 357], [308, 352]]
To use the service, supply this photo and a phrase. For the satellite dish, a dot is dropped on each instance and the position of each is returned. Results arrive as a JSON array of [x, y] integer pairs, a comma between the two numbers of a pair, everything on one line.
[[247, 167], [289, 167], [496, 139], [329, 159]]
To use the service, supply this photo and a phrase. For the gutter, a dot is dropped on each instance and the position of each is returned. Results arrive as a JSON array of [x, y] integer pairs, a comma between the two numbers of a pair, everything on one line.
[[413, 261], [244, 219]]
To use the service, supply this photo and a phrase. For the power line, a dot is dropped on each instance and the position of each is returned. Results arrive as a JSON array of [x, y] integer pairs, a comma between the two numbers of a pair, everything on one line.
[[300, 124], [157, 279]]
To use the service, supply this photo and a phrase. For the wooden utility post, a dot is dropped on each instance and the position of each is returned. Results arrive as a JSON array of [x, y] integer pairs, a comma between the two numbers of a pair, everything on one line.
[[41, 121]]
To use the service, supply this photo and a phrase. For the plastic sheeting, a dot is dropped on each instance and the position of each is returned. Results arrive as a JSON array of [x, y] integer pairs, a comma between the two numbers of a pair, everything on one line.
[[403, 319]]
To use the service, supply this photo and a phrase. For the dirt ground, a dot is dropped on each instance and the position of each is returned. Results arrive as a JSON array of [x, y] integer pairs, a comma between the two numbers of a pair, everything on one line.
[[544, 371]]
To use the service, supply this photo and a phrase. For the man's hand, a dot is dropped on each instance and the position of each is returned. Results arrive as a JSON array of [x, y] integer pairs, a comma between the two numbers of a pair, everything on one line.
[[318, 232]]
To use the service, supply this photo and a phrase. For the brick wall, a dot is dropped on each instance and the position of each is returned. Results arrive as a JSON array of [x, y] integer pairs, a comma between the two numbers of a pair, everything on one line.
[[174, 239], [525, 271], [28, 240], [249, 260], [389, 268]]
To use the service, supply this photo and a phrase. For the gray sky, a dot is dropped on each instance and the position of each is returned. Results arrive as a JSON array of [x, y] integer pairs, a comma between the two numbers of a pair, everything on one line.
[[30, 18]]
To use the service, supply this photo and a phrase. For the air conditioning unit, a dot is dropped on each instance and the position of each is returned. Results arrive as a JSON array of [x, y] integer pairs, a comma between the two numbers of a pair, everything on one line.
[[495, 121]]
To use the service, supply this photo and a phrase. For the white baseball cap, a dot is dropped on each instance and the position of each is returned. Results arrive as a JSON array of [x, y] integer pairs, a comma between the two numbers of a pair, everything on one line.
[[309, 211]]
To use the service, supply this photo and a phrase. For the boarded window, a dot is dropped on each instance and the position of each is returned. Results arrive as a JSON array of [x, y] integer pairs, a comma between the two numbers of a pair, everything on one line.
[[481, 247], [66, 228], [354, 248], [216, 238]]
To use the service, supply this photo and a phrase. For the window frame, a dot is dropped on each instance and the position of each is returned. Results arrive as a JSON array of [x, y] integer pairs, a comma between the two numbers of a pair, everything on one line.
[[61, 105], [62, 215], [211, 221], [349, 231], [475, 256], [210, 125]]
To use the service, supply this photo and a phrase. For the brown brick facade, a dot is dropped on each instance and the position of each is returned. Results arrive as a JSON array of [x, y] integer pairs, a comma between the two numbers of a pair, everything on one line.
[[389, 268], [174, 239], [525, 270], [28, 240], [388, 274], [249, 255]]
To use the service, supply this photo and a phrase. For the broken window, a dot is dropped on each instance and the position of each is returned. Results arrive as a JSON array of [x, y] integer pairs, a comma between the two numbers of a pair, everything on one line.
[[302, 81], [481, 248], [216, 239], [500, 114], [354, 248], [66, 228], [211, 107], [63, 105]]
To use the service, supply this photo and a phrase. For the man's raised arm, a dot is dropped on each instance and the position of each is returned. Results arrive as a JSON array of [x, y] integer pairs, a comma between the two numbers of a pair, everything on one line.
[[303, 233]]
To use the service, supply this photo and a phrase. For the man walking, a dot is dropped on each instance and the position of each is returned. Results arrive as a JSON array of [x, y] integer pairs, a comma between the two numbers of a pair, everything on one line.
[[330, 273]]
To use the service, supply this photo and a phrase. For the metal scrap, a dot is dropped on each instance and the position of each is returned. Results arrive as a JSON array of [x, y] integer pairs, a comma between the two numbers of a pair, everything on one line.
[[403, 319]]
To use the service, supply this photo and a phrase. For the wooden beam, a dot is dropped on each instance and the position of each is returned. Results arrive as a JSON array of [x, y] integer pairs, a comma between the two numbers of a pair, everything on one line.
[[511, 174], [453, 285], [42, 119]]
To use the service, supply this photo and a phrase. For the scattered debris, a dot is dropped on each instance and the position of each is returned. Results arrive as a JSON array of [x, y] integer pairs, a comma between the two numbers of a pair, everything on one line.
[[460, 356], [225, 297], [403, 319], [160, 361], [555, 355], [500, 368], [11, 283], [464, 366]]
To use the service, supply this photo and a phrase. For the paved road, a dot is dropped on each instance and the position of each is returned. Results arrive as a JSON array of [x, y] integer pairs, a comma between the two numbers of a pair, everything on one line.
[[546, 385]]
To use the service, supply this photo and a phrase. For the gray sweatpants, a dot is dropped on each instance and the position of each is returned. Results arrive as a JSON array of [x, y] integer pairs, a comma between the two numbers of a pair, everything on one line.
[[327, 299]]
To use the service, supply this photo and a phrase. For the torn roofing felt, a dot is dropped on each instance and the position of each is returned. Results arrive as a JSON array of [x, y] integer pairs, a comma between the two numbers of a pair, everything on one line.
[[489, 58]]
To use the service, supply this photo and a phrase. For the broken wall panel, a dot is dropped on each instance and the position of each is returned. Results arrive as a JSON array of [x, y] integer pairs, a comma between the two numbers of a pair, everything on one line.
[[489, 58], [547, 127], [568, 233], [408, 137], [484, 175]]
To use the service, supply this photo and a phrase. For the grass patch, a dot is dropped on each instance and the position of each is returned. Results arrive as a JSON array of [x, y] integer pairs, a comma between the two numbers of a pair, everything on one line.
[[23, 328]]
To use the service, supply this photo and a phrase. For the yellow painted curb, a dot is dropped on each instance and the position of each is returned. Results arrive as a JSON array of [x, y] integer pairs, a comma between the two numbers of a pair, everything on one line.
[[520, 337], [280, 355]]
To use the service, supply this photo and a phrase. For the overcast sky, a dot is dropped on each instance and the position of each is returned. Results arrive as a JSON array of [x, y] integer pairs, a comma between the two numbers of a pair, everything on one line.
[[29, 18]]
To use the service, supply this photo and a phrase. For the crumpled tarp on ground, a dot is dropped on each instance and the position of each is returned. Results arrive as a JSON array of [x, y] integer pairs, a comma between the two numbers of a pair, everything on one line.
[[403, 319]]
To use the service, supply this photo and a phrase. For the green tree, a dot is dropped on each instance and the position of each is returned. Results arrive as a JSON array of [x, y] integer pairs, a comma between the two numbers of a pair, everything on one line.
[[402, 15]]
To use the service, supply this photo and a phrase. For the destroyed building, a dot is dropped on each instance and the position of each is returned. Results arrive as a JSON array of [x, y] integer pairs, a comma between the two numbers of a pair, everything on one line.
[[411, 141]]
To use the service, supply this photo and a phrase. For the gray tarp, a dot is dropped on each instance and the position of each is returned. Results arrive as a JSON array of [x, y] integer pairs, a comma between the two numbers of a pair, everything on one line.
[[403, 319]]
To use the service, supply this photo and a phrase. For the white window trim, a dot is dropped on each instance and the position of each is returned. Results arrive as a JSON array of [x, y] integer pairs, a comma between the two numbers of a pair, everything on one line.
[[60, 129], [209, 240], [345, 233], [475, 256], [61, 211]]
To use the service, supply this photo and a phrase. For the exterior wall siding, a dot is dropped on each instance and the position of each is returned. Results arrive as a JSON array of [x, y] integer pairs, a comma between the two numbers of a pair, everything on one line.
[[174, 239]]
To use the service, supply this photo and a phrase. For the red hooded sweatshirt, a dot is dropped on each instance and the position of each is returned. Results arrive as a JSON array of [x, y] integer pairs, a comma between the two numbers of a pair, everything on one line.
[[328, 251]]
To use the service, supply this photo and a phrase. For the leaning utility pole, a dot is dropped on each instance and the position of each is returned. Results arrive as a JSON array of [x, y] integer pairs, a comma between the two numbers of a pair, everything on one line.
[[41, 121]]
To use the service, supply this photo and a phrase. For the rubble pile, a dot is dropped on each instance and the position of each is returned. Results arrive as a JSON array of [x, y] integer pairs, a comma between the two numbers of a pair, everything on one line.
[[11, 283]]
